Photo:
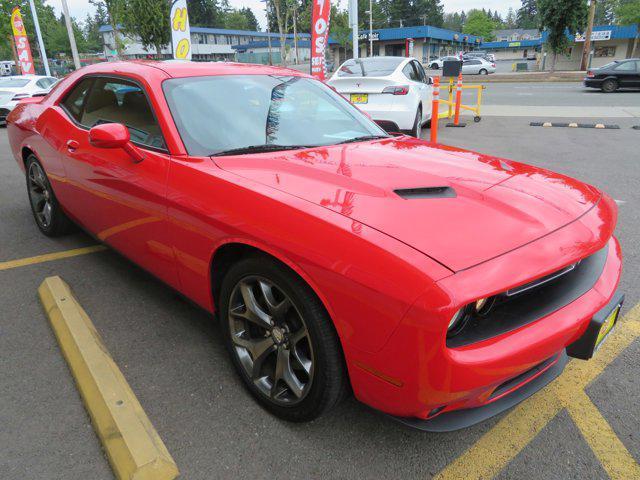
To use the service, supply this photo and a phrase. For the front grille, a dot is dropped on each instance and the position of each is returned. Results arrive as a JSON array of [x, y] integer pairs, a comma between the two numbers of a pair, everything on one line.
[[540, 299]]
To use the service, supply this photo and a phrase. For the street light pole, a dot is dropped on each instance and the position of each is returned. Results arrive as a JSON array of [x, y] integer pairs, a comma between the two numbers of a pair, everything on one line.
[[36, 24], [353, 23], [371, 27], [72, 38], [266, 10]]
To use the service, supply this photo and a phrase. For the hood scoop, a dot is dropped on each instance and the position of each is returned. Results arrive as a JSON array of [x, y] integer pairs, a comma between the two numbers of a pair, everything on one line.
[[426, 192]]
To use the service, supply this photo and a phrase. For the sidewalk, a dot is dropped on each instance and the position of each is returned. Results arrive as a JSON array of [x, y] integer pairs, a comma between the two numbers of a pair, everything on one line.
[[557, 76]]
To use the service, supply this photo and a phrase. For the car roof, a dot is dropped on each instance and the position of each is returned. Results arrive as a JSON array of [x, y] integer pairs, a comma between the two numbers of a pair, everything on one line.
[[181, 68]]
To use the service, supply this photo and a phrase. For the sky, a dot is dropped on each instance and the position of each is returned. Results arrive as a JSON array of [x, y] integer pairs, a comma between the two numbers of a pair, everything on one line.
[[80, 8]]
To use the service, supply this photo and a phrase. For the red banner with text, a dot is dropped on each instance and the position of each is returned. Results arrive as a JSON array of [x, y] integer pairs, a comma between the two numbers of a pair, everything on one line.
[[319, 37], [22, 43]]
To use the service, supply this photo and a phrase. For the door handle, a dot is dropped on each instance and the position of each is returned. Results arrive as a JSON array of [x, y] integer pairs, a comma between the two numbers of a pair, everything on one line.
[[72, 145]]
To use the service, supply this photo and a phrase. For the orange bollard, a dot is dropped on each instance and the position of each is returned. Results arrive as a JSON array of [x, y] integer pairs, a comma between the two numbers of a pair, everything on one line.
[[456, 118], [434, 110]]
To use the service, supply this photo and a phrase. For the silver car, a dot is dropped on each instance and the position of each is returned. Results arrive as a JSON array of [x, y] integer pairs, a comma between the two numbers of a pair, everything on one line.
[[478, 66]]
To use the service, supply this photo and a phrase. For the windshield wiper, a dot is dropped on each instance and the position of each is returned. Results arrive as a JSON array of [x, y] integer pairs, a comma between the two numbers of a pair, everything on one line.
[[362, 138], [268, 147]]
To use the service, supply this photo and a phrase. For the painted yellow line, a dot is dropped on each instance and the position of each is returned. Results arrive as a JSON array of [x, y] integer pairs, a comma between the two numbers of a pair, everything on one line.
[[49, 257], [496, 448], [132, 444], [605, 444]]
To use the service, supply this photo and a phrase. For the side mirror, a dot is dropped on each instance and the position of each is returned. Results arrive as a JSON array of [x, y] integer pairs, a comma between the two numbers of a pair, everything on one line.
[[114, 135], [429, 80]]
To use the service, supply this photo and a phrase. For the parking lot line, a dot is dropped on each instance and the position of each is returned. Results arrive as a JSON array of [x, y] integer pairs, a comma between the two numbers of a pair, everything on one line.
[[49, 257], [496, 448], [134, 448]]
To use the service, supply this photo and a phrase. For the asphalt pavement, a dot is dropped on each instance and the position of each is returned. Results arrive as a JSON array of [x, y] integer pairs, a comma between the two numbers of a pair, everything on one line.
[[172, 355]]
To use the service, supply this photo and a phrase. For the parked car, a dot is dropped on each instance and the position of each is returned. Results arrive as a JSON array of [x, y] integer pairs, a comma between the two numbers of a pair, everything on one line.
[[395, 91], [439, 62], [477, 66], [615, 75], [13, 88], [440, 286]]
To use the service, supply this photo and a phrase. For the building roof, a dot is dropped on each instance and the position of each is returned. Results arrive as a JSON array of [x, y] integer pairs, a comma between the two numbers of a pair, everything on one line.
[[617, 32], [517, 31], [422, 31], [223, 31]]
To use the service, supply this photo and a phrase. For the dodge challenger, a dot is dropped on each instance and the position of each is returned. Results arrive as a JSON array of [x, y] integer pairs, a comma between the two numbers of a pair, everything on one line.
[[437, 285]]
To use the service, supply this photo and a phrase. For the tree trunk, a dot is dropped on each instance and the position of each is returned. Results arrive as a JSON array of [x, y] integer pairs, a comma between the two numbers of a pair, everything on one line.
[[282, 28], [553, 62], [158, 52], [635, 44]]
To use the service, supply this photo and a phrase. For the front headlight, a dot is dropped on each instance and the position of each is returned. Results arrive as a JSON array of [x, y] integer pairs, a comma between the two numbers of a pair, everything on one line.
[[457, 322]]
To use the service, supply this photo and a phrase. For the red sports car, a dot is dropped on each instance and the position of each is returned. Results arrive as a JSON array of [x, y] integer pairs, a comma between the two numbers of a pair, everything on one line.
[[439, 285]]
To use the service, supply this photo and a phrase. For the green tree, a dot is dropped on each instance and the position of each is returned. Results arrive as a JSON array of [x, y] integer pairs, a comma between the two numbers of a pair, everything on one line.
[[453, 21], [148, 20], [560, 17], [628, 13], [115, 13], [527, 16], [235, 20], [252, 21], [478, 23], [510, 21], [429, 12]]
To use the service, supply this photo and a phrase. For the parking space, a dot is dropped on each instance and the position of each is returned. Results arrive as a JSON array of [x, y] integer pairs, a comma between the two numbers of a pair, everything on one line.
[[172, 356]]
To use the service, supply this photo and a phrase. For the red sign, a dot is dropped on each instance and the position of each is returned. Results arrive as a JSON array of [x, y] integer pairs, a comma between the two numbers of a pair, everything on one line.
[[22, 43], [319, 37]]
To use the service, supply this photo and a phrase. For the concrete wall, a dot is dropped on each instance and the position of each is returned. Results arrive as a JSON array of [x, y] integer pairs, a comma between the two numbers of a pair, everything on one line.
[[572, 61]]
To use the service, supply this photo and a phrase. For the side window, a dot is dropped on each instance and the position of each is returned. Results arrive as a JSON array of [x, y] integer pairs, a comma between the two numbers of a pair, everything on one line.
[[118, 101], [626, 67], [42, 83], [75, 99], [410, 72], [421, 74]]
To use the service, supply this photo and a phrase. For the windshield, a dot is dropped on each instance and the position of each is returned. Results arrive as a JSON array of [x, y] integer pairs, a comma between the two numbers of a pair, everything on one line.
[[13, 82], [228, 112], [369, 67]]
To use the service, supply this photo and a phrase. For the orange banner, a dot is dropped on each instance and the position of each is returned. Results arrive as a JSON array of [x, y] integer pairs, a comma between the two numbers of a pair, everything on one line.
[[22, 43]]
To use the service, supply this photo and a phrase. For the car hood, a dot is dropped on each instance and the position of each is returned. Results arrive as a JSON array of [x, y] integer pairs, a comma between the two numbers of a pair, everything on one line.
[[460, 208]]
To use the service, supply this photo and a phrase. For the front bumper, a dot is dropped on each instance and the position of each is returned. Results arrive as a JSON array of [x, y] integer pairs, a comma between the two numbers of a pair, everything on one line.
[[417, 377]]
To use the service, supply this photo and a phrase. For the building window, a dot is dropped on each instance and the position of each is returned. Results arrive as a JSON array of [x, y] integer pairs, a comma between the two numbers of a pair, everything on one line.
[[604, 52]]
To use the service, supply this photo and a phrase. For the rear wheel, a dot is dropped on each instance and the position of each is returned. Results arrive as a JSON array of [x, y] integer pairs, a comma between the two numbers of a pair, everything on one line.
[[483, 71], [609, 86], [417, 124], [48, 214], [281, 339]]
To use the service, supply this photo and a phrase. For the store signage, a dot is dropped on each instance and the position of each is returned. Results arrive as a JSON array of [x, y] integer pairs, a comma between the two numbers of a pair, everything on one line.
[[595, 36], [368, 36]]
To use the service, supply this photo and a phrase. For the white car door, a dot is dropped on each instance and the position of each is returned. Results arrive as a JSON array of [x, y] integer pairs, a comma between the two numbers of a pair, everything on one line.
[[470, 67], [426, 90], [418, 86]]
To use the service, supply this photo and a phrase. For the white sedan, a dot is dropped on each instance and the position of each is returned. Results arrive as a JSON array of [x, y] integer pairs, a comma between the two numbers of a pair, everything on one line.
[[394, 91], [437, 63], [16, 87], [478, 66]]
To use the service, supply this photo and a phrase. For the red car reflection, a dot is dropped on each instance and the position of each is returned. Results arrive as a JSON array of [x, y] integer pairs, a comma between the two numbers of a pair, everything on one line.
[[439, 285]]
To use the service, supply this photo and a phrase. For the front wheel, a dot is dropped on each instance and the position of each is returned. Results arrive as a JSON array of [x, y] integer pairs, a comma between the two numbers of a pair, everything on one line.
[[281, 340], [47, 212]]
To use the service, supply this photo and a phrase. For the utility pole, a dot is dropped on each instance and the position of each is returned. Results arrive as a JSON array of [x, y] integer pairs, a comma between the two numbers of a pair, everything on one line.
[[36, 24], [353, 20], [587, 37], [266, 9], [371, 28], [72, 38]]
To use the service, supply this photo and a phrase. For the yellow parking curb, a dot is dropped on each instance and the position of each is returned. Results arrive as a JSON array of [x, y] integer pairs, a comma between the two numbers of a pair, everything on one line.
[[133, 446]]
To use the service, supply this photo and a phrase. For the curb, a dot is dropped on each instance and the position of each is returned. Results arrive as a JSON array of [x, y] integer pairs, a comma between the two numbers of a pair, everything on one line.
[[575, 125], [134, 448]]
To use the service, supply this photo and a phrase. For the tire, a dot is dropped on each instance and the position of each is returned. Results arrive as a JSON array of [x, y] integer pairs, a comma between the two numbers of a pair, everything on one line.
[[609, 86], [483, 71], [417, 124], [46, 210], [296, 333]]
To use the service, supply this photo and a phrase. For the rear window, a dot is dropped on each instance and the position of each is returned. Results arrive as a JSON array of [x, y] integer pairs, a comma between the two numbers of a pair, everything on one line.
[[369, 67], [13, 83]]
